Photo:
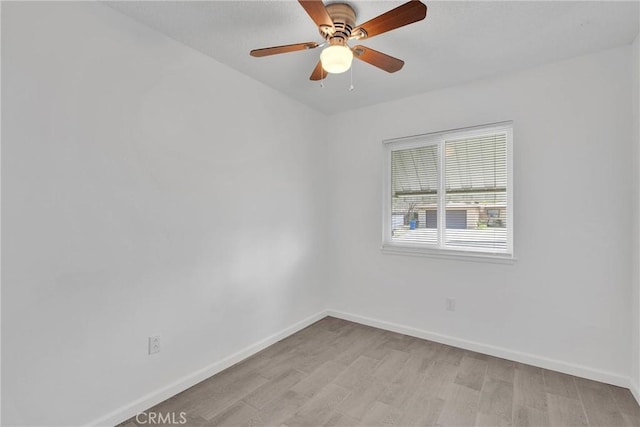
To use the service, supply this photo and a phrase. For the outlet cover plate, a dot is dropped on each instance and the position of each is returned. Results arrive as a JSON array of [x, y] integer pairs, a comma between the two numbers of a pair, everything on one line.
[[154, 344], [451, 304]]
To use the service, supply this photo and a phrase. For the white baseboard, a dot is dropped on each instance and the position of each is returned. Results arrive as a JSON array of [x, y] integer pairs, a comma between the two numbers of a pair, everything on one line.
[[124, 413], [504, 353]]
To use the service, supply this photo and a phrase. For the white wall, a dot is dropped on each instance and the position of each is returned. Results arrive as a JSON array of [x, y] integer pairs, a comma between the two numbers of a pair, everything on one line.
[[635, 355], [566, 300], [147, 189]]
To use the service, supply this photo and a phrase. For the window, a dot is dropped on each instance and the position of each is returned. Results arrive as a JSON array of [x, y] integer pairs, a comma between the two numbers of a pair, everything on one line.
[[450, 193]]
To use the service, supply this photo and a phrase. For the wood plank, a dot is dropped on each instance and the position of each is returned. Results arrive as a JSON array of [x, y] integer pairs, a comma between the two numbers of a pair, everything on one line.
[[342, 420], [220, 396], [311, 360], [322, 376], [460, 408], [501, 369], [405, 383], [598, 404], [390, 365], [630, 420], [451, 355], [496, 403], [529, 388], [560, 384], [423, 348], [320, 408], [400, 342], [625, 401], [282, 408], [278, 364], [349, 347], [422, 409], [471, 372], [564, 411], [358, 371], [239, 414], [334, 324], [274, 389], [524, 416], [381, 414], [439, 378], [362, 398], [484, 419], [380, 347], [315, 337]]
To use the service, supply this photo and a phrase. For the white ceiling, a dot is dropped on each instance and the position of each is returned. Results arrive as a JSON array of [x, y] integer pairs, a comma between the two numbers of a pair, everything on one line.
[[456, 43]]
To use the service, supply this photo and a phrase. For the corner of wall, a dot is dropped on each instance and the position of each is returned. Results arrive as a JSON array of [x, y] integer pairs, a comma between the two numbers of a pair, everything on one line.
[[635, 253]]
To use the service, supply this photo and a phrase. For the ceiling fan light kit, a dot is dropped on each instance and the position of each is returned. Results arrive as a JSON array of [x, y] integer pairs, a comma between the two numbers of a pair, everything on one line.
[[336, 24], [336, 59]]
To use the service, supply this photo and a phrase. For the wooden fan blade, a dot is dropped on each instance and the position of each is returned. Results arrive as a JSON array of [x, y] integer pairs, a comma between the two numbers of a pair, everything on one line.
[[406, 14], [318, 72], [377, 59], [317, 12], [283, 49]]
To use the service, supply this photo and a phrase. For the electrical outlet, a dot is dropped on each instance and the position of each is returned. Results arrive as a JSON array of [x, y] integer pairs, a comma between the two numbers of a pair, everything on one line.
[[450, 304], [154, 344]]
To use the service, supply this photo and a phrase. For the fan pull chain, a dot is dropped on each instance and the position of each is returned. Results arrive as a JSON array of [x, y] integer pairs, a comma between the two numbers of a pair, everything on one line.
[[321, 77], [351, 85]]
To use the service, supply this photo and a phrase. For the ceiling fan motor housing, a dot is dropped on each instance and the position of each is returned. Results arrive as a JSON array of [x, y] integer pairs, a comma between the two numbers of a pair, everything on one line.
[[344, 20]]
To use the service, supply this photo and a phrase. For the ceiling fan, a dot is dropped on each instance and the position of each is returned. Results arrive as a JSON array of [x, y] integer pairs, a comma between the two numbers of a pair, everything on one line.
[[336, 23]]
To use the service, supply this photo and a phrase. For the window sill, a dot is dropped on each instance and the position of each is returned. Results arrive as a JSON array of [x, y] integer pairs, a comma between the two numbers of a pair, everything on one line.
[[449, 254]]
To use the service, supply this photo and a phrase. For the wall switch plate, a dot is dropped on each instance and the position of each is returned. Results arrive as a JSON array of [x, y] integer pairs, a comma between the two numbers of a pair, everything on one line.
[[154, 344], [450, 304]]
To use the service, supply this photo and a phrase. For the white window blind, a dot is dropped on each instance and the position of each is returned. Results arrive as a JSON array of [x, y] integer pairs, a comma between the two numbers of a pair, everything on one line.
[[450, 191]]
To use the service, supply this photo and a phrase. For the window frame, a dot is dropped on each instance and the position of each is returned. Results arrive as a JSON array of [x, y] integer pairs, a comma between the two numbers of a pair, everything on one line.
[[438, 250]]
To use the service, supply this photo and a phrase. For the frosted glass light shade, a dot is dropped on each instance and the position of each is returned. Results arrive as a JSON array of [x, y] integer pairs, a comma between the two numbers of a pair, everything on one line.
[[336, 59]]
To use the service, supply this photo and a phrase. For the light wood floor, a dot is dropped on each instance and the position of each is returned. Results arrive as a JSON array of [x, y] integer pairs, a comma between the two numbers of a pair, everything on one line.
[[339, 373]]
